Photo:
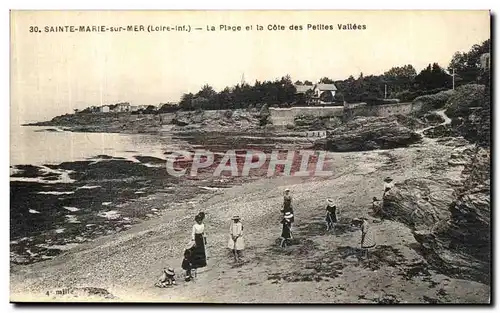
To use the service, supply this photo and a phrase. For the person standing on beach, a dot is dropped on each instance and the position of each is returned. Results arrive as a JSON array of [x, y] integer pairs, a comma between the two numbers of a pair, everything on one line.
[[199, 258], [187, 265], [367, 235], [286, 232], [331, 215], [201, 216], [236, 242], [287, 204]]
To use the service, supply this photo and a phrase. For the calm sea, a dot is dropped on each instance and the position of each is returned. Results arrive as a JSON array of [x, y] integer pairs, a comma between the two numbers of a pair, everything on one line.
[[49, 145]]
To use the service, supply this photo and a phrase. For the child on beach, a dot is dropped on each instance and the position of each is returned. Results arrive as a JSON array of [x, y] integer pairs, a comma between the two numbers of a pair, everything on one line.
[[331, 218], [388, 184], [236, 242], [167, 278], [187, 265]]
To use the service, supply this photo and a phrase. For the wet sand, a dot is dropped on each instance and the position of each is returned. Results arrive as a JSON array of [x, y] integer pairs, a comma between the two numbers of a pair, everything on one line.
[[55, 206]]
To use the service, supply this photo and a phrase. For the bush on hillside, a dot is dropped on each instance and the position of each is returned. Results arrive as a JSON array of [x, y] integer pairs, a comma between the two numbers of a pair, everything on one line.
[[405, 96], [433, 101], [465, 97], [379, 101]]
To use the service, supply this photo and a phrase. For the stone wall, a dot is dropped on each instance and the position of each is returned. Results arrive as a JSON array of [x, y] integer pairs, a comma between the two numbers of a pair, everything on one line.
[[381, 110], [284, 116]]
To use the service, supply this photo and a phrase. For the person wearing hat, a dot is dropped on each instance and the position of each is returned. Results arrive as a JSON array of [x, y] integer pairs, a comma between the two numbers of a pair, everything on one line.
[[199, 257], [367, 234], [167, 278], [201, 216], [286, 232], [187, 265], [331, 215], [388, 184], [287, 204], [236, 242]]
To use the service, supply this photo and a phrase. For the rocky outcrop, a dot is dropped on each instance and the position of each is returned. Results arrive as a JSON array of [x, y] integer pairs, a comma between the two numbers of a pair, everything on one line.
[[179, 122], [419, 202], [369, 133], [450, 219], [216, 119], [460, 246], [312, 122]]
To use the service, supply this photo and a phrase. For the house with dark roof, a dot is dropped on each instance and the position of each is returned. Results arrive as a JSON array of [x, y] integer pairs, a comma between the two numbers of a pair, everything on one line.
[[317, 93]]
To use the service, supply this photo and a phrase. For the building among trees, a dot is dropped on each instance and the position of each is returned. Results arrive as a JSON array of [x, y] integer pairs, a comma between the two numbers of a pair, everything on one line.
[[316, 94]]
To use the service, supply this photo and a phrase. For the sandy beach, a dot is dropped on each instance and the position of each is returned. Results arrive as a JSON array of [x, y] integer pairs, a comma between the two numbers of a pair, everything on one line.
[[318, 267]]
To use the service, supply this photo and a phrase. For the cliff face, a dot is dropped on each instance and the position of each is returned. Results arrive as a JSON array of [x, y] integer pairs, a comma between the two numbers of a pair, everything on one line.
[[450, 218], [370, 133]]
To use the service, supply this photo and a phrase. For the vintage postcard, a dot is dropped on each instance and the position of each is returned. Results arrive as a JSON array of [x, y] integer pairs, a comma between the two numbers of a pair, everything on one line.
[[250, 156]]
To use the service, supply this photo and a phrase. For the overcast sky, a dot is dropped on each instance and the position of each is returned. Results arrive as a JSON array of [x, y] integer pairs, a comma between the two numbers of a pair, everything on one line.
[[53, 73]]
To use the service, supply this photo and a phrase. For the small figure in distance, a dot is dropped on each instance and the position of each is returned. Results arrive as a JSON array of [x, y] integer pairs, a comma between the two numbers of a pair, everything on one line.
[[187, 265], [167, 278], [286, 233], [367, 235], [287, 204], [236, 242], [331, 218]]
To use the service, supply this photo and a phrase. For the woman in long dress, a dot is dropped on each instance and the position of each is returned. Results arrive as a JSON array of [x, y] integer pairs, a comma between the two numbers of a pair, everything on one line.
[[367, 235], [286, 232], [236, 242], [198, 258]]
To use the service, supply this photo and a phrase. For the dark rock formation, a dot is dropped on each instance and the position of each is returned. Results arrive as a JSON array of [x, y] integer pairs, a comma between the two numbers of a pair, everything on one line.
[[370, 133], [450, 221], [179, 122], [442, 131], [419, 202], [433, 119]]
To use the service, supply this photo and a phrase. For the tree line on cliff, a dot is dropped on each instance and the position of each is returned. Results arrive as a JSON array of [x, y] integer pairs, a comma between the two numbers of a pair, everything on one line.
[[402, 82]]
